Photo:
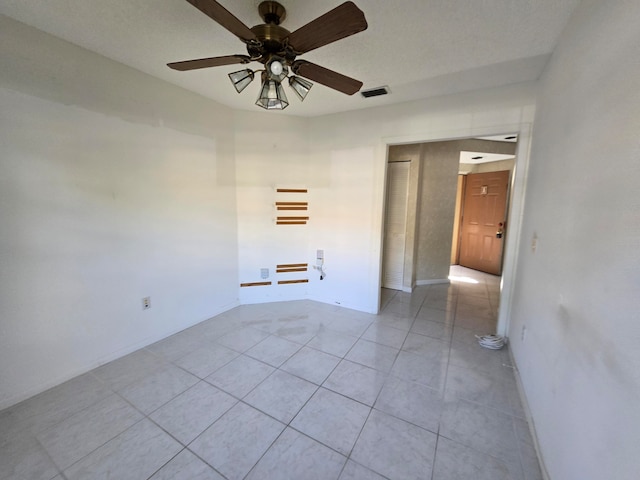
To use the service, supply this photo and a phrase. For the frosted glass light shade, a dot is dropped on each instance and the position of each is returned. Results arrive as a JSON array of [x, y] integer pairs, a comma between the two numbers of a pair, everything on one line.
[[300, 86], [241, 79], [272, 96]]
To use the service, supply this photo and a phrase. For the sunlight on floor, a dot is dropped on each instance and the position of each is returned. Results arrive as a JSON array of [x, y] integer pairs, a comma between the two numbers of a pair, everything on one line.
[[455, 278]]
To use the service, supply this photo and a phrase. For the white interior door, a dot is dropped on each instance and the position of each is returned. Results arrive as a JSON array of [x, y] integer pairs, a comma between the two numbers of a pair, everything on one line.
[[395, 224]]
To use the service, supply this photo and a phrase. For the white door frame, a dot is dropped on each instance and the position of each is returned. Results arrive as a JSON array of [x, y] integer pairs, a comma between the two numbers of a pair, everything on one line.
[[516, 201]]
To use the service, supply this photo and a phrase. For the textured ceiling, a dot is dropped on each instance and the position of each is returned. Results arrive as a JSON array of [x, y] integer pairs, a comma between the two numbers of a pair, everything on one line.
[[419, 48]]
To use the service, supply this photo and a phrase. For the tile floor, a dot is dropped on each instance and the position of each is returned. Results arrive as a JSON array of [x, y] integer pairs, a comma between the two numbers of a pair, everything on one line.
[[295, 390]]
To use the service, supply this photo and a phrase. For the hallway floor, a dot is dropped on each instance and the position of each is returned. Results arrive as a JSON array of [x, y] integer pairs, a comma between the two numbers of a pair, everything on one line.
[[293, 390]]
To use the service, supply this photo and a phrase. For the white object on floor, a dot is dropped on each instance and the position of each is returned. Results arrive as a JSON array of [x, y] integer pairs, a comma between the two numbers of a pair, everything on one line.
[[494, 342]]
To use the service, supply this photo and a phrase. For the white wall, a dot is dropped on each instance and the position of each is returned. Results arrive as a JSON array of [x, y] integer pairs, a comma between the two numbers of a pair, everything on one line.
[[271, 152], [344, 225], [577, 294], [113, 187]]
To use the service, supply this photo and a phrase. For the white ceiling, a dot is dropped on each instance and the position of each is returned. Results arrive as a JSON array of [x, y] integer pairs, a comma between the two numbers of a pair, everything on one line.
[[471, 158], [419, 48]]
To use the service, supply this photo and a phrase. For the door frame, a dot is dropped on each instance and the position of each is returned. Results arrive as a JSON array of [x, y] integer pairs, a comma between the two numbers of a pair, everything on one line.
[[516, 201], [457, 220]]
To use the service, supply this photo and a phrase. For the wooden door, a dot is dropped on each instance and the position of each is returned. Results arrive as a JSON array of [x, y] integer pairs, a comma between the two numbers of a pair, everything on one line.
[[395, 225], [483, 216]]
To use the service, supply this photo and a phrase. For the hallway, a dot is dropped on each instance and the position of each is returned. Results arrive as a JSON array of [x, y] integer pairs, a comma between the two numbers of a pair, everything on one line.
[[293, 390]]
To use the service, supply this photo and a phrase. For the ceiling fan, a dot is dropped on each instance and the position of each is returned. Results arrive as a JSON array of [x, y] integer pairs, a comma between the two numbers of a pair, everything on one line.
[[277, 48]]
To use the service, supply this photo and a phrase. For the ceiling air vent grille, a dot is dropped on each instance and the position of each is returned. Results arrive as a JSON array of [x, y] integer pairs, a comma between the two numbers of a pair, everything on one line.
[[375, 92]]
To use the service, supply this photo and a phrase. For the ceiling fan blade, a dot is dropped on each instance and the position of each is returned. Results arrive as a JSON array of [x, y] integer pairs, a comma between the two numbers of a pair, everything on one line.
[[326, 77], [341, 22], [209, 62], [225, 18]]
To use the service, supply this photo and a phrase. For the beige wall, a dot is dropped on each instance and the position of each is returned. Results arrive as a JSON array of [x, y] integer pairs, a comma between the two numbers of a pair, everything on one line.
[[494, 166], [500, 165], [437, 207]]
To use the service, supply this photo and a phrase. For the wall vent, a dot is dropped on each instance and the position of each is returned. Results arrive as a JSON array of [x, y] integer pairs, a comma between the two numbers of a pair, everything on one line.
[[375, 92]]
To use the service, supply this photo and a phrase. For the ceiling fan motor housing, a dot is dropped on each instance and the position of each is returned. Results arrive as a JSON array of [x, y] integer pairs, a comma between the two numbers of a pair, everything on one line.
[[271, 38]]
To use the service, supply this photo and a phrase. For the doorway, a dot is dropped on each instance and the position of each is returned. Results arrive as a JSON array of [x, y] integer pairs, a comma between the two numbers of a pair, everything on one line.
[[440, 194]]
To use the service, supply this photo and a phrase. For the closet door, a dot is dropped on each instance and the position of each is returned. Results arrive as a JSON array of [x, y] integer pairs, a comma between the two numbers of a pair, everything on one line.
[[395, 224]]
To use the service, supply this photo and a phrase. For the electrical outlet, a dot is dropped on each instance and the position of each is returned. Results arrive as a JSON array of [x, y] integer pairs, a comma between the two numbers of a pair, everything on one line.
[[523, 334], [264, 273], [146, 303], [534, 243]]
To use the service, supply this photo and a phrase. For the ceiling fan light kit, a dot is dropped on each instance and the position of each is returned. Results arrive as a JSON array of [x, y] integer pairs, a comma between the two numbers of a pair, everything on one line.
[[277, 48], [300, 86], [277, 69], [272, 96], [241, 79]]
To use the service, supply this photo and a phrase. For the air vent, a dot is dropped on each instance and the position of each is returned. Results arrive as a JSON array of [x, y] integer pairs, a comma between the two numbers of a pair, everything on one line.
[[375, 92]]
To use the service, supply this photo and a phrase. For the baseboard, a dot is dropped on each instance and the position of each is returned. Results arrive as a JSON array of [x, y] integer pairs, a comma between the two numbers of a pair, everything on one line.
[[102, 360], [529, 418], [435, 281], [372, 309]]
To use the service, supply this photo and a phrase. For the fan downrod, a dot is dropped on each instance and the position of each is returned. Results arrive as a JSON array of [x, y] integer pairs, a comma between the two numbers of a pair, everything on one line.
[[272, 12]]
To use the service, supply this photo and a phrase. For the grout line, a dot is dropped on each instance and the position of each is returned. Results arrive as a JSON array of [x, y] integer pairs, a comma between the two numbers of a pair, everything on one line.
[[435, 453], [233, 324]]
